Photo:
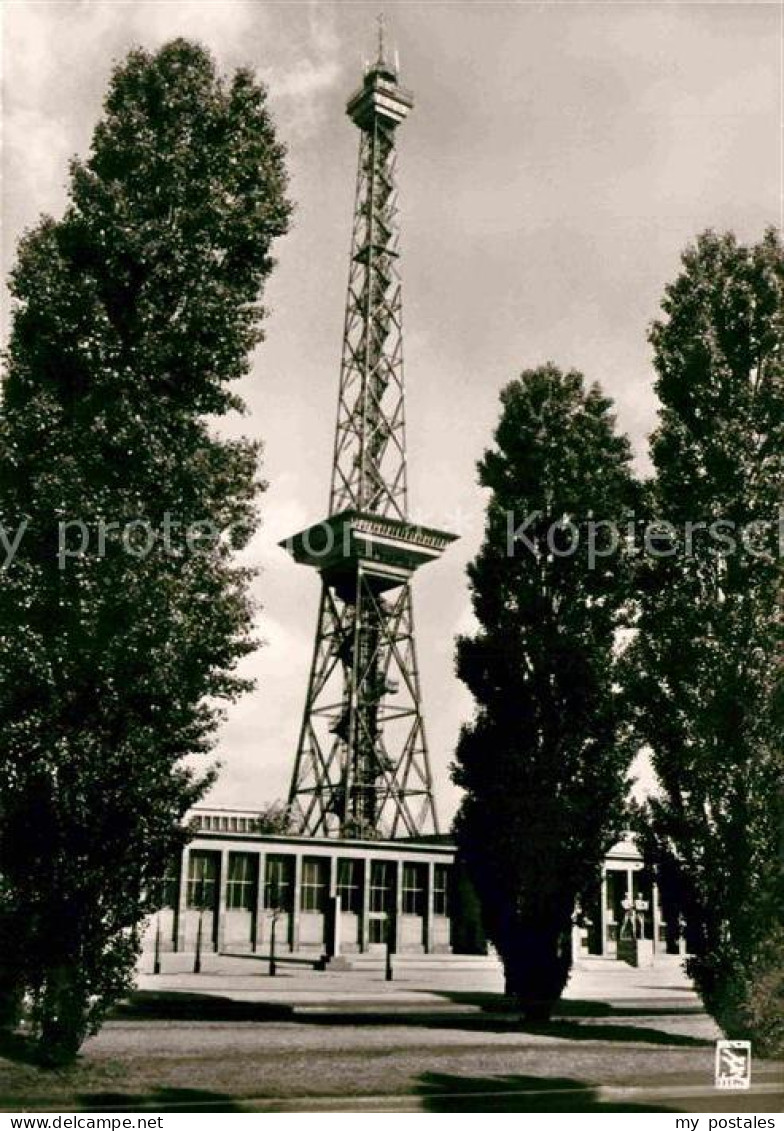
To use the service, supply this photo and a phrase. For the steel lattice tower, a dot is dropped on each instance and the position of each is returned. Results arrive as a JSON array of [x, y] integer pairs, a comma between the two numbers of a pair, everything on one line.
[[362, 766]]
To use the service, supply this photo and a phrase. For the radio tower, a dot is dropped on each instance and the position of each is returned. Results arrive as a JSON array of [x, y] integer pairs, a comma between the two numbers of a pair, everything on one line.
[[362, 767]]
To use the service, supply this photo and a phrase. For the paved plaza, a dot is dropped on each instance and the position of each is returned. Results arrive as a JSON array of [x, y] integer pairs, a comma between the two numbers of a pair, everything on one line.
[[432, 1040]]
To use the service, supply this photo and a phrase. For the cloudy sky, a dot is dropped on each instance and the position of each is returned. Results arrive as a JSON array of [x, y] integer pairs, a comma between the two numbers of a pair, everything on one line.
[[559, 157]]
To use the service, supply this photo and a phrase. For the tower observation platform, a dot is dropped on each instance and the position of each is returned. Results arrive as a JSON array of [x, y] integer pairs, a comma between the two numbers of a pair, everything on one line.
[[362, 766]]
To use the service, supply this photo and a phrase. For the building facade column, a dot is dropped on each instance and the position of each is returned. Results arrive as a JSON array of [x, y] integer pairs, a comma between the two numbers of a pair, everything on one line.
[[603, 912], [332, 942], [364, 918], [296, 902], [332, 922], [429, 905], [655, 914], [258, 915], [397, 906], [182, 901], [219, 937]]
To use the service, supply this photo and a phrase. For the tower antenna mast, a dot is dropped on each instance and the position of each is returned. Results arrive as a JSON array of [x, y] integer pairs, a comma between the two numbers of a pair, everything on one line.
[[381, 23]]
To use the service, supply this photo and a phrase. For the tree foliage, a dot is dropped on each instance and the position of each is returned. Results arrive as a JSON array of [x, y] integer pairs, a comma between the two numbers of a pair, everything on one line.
[[544, 762], [275, 820], [707, 665], [134, 314]]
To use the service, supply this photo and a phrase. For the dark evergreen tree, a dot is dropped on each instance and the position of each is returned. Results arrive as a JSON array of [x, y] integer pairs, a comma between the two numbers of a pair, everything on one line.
[[134, 314], [544, 762], [709, 653]]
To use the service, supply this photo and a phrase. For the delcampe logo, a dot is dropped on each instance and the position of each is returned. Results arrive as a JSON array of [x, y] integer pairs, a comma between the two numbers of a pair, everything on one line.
[[733, 1064]]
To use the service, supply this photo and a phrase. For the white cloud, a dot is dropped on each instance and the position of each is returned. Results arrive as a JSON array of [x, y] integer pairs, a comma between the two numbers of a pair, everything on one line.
[[298, 84]]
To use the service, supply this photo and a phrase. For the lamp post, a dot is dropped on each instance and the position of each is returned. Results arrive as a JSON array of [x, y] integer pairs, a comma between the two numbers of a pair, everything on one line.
[[200, 901], [277, 910], [391, 924], [273, 967], [156, 966]]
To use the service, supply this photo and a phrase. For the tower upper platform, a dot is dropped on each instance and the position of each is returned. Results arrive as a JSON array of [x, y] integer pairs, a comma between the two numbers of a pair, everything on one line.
[[380, 98]]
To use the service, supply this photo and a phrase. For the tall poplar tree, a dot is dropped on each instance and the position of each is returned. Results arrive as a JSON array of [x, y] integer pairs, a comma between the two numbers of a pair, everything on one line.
[[122, 614], [707, 665], [544, 762]]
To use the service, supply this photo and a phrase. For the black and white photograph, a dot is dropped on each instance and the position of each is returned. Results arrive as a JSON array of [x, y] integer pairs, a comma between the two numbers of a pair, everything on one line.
[[391, 543]]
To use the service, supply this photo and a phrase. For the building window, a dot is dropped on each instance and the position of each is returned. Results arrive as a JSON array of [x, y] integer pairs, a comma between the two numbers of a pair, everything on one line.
[[314, 885], [413, 894], [381, 885], [278, 883], [202, 880], [440, 889], [170, 888], [378, 930], [350, 885], [166, 889], [242, 881]]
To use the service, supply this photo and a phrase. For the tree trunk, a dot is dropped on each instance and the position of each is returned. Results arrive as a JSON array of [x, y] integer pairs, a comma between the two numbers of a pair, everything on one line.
[[12, 980], [11, 998], [537, 968], [63, 1013]]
